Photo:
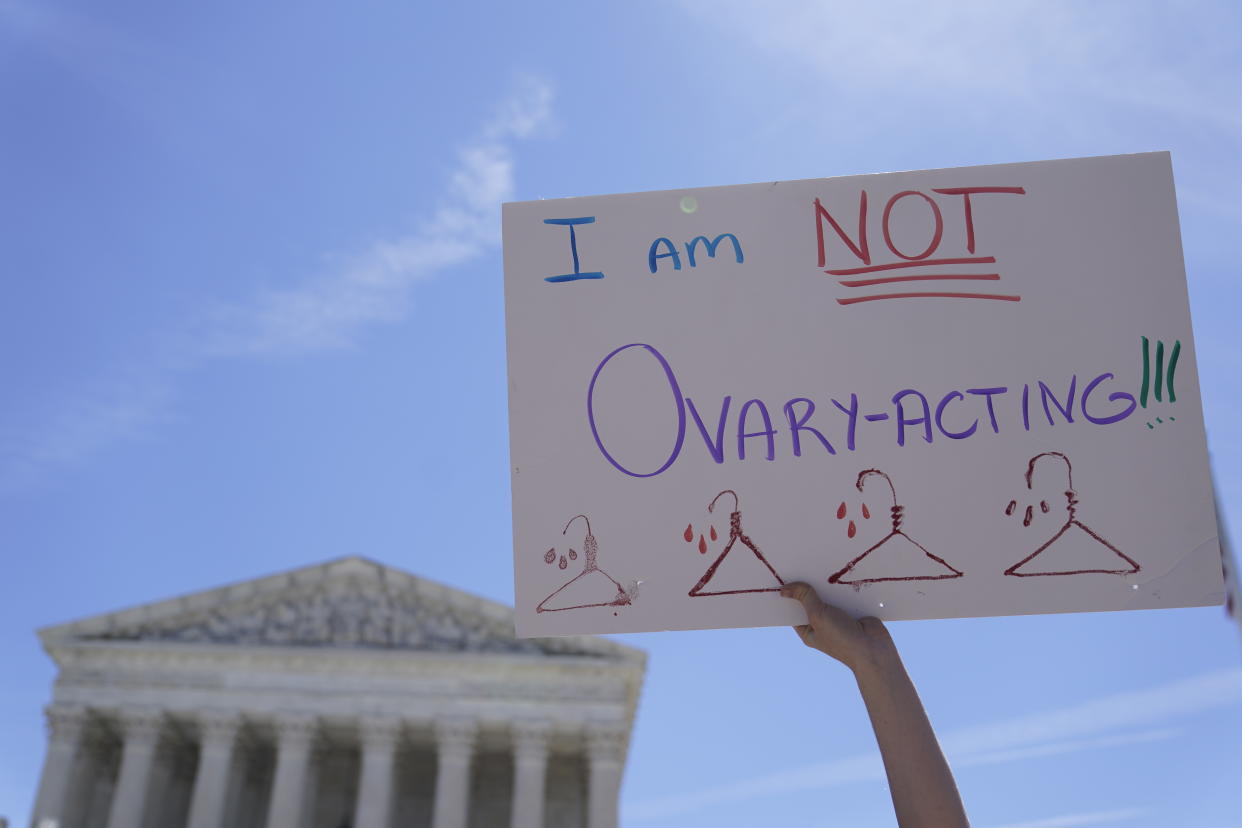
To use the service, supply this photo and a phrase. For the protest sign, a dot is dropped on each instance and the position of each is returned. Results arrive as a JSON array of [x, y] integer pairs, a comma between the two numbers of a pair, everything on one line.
[[930, 394]]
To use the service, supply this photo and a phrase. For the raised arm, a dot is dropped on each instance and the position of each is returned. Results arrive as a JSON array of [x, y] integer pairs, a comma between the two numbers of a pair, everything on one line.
[[922, 786]]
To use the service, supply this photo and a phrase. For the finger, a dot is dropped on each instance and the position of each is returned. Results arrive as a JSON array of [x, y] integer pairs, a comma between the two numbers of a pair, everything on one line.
[[804, 632], [803, 593]]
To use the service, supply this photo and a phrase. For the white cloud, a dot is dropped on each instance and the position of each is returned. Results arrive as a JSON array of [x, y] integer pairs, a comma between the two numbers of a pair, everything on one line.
[[904, 44], [1047, 73], [868, 767], [82, 422], [59, 32], [911, 50], [1107, 722], [324, 312], [375, 287], [1058, 748], [1071, 820], [1138, 708]]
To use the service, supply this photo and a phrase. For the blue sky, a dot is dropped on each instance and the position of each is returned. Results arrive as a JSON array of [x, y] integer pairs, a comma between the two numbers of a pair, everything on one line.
[[253, 319]]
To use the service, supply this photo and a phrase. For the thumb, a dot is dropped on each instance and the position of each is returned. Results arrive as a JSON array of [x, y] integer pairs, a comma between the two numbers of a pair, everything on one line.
[[804, 594]]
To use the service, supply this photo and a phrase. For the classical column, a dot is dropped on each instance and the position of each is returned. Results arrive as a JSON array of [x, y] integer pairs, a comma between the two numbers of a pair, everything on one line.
[[454, 748], [605, 748], [530, 764], [294, 734], [218, 732], [140, 728], [379, 735], [64, 730]]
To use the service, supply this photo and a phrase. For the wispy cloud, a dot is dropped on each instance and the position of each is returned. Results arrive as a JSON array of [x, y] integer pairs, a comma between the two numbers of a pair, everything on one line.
[[1077, 77], [375, 287], [76, 423], [1014, 50], [1140, 708], [60, 32], [322, 312], [1085, 818], [1107, 722], [1059, 748]]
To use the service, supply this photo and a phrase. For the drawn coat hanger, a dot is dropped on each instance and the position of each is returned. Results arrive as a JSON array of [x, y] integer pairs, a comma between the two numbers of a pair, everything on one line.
[[1075, 549], [592, 587], [762, 581], [897, 557]]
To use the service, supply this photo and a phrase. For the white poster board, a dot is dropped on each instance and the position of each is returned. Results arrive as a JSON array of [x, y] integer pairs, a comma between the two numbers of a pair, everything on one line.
[[930, 394]]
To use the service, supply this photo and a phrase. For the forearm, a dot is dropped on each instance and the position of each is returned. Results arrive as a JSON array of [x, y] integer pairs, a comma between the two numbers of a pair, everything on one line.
[[924, 794], [920, 781]]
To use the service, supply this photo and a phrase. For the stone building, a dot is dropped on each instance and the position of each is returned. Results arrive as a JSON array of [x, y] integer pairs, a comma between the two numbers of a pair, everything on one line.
[[343, 695]]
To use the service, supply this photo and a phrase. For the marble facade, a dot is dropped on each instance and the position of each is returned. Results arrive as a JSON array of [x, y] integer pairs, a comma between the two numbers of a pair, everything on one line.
[[343, 695]]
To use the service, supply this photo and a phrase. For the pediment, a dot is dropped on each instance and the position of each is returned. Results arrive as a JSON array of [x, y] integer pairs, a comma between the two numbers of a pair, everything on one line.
[[351, 602]]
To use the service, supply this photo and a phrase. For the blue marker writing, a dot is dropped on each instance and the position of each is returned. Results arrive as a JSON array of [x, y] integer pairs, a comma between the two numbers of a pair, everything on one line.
[[573, 248]]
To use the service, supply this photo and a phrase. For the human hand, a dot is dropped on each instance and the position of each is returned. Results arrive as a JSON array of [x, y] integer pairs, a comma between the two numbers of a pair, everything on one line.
[[919, 778], [854, 643]]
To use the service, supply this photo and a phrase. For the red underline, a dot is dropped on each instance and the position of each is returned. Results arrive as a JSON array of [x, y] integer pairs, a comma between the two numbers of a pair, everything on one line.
[[920, 263], [929, 278], [1002, 298]]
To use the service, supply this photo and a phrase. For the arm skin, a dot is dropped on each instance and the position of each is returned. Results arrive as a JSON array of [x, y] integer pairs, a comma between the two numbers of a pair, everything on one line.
[[922, 786]]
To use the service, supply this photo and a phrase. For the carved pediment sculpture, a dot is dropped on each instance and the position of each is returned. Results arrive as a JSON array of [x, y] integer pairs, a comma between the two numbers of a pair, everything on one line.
[[351, 602]]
